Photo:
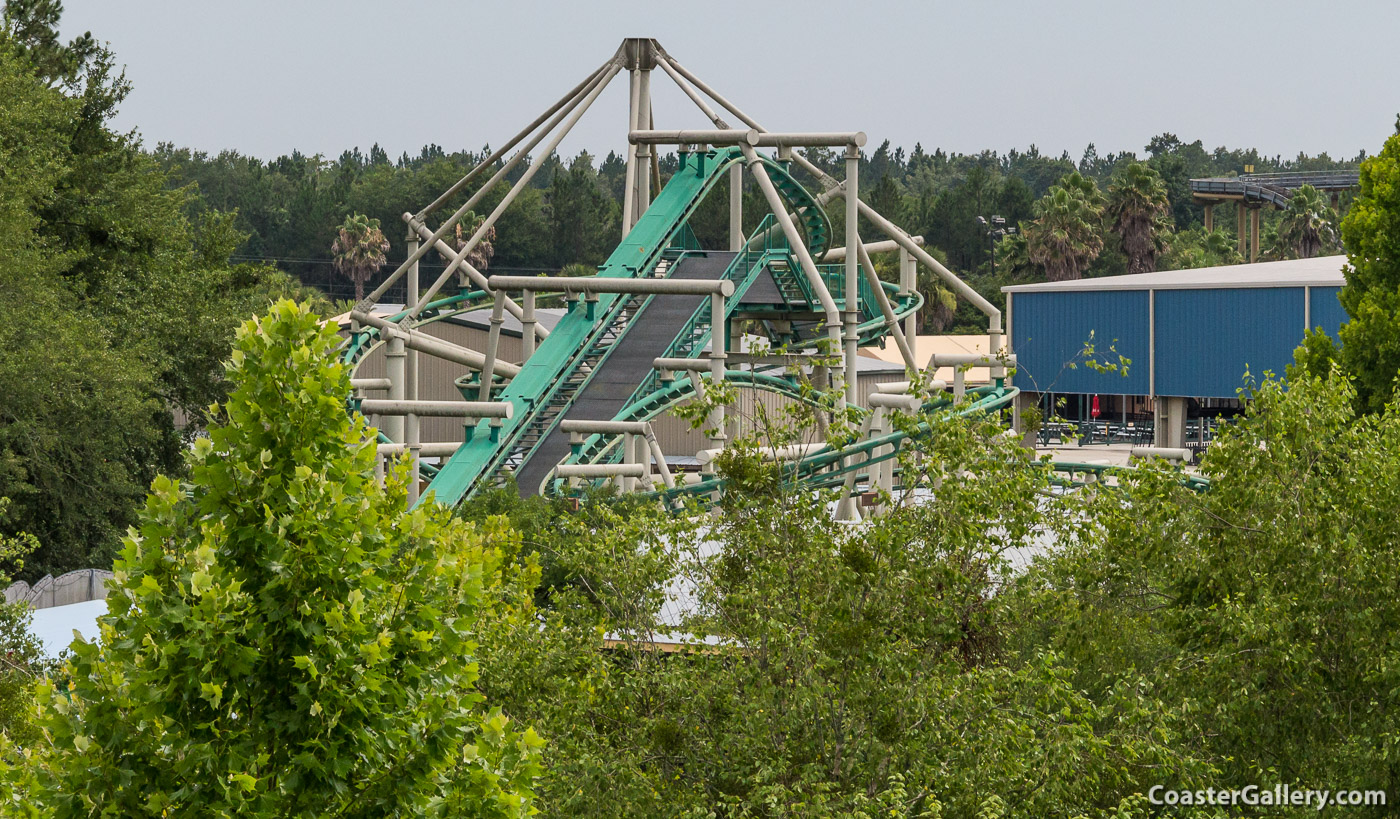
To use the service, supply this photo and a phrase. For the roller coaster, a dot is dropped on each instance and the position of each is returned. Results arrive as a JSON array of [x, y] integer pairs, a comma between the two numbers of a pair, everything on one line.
[[664, 321]]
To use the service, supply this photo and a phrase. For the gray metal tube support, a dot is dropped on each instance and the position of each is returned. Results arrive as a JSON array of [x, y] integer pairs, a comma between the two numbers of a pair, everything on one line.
[[852, 317], [838, 254], [611, 284], [629, 186], [867, 267], [888, 400], [475, 275], [736, 207], [599, 470], [411, 285], [435, 347], [415, 457], [588, 427], [667, 479], [718, 354], [571, 102], [804, 258], [527, 326], [370, 383], [493, 345], [520, 185], [645, 153], [432, 449], [700, 365], [395, 359], [501, 151], [439, 409], [773, 139], [712, 137], [908, 283], [1167, 452]]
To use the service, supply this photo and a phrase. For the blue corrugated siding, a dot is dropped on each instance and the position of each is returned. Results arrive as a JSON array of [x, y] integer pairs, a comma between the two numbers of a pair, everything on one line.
[[1327, 312], [1207, 339], [1049, 331]]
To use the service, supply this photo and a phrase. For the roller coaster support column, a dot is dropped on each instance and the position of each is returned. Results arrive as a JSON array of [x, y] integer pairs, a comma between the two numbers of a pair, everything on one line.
[[412, 429], [908, 283], [911, 364], [645, 153], [527, 326], [436, 347], [629, 186], [959, 286], [395, 358], [718, 353], [804, 258], [1254, 235], [852, 305], [520, 185], [557, 112], [736, 207], [493, 345]]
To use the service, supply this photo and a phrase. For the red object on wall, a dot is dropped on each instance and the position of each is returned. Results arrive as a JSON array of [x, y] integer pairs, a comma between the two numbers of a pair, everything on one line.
[[1094, 409]]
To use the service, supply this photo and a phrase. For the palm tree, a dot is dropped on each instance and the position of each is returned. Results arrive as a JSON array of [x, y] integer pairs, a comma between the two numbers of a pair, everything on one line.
[[1066, 237], [1308, 224], [359, 250], [480, 256], [1140, 214]]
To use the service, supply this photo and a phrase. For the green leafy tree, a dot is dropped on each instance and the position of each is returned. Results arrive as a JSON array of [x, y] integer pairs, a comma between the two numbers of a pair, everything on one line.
[[1193, 247], [1370, 340], [1067, 234], [820, 669], [1307, 226], [283, 639], [22, 659], [1164, 592], [359, 250], [1138, 211], [480, 255], [31, 30]]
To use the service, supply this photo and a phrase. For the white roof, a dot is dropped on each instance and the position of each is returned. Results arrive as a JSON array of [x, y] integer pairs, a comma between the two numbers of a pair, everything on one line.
[[54, 626], [925, 347], [1321, 271]]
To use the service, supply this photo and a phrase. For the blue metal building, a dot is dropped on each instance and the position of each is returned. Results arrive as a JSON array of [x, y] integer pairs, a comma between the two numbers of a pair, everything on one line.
[[1187, 334]]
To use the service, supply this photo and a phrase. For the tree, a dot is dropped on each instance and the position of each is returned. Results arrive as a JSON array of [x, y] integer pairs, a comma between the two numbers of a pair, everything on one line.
[[1370, 341], [1067, 232], [22, 660], [480, 255], [886, 199], [829, 674], [283, 638], [359, 250], [1161, 592], [31, 30], [1307, 225], [1140, 214], [130, 307]]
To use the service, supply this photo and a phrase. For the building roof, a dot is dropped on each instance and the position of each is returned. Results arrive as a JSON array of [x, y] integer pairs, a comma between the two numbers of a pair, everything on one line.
[[926, 347], [1321, 271]]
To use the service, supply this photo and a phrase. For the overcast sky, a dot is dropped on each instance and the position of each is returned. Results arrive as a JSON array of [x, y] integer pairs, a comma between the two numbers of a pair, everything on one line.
[[265, 78]]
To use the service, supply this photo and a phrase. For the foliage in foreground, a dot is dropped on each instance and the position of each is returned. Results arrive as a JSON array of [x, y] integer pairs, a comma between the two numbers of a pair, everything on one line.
[[1369, 351], [125, 306], [283, 639], [908, 667], [848, 671]]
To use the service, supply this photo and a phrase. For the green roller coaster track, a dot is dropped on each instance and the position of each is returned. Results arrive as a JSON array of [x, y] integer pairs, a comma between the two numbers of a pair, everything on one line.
[[550, 381]]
